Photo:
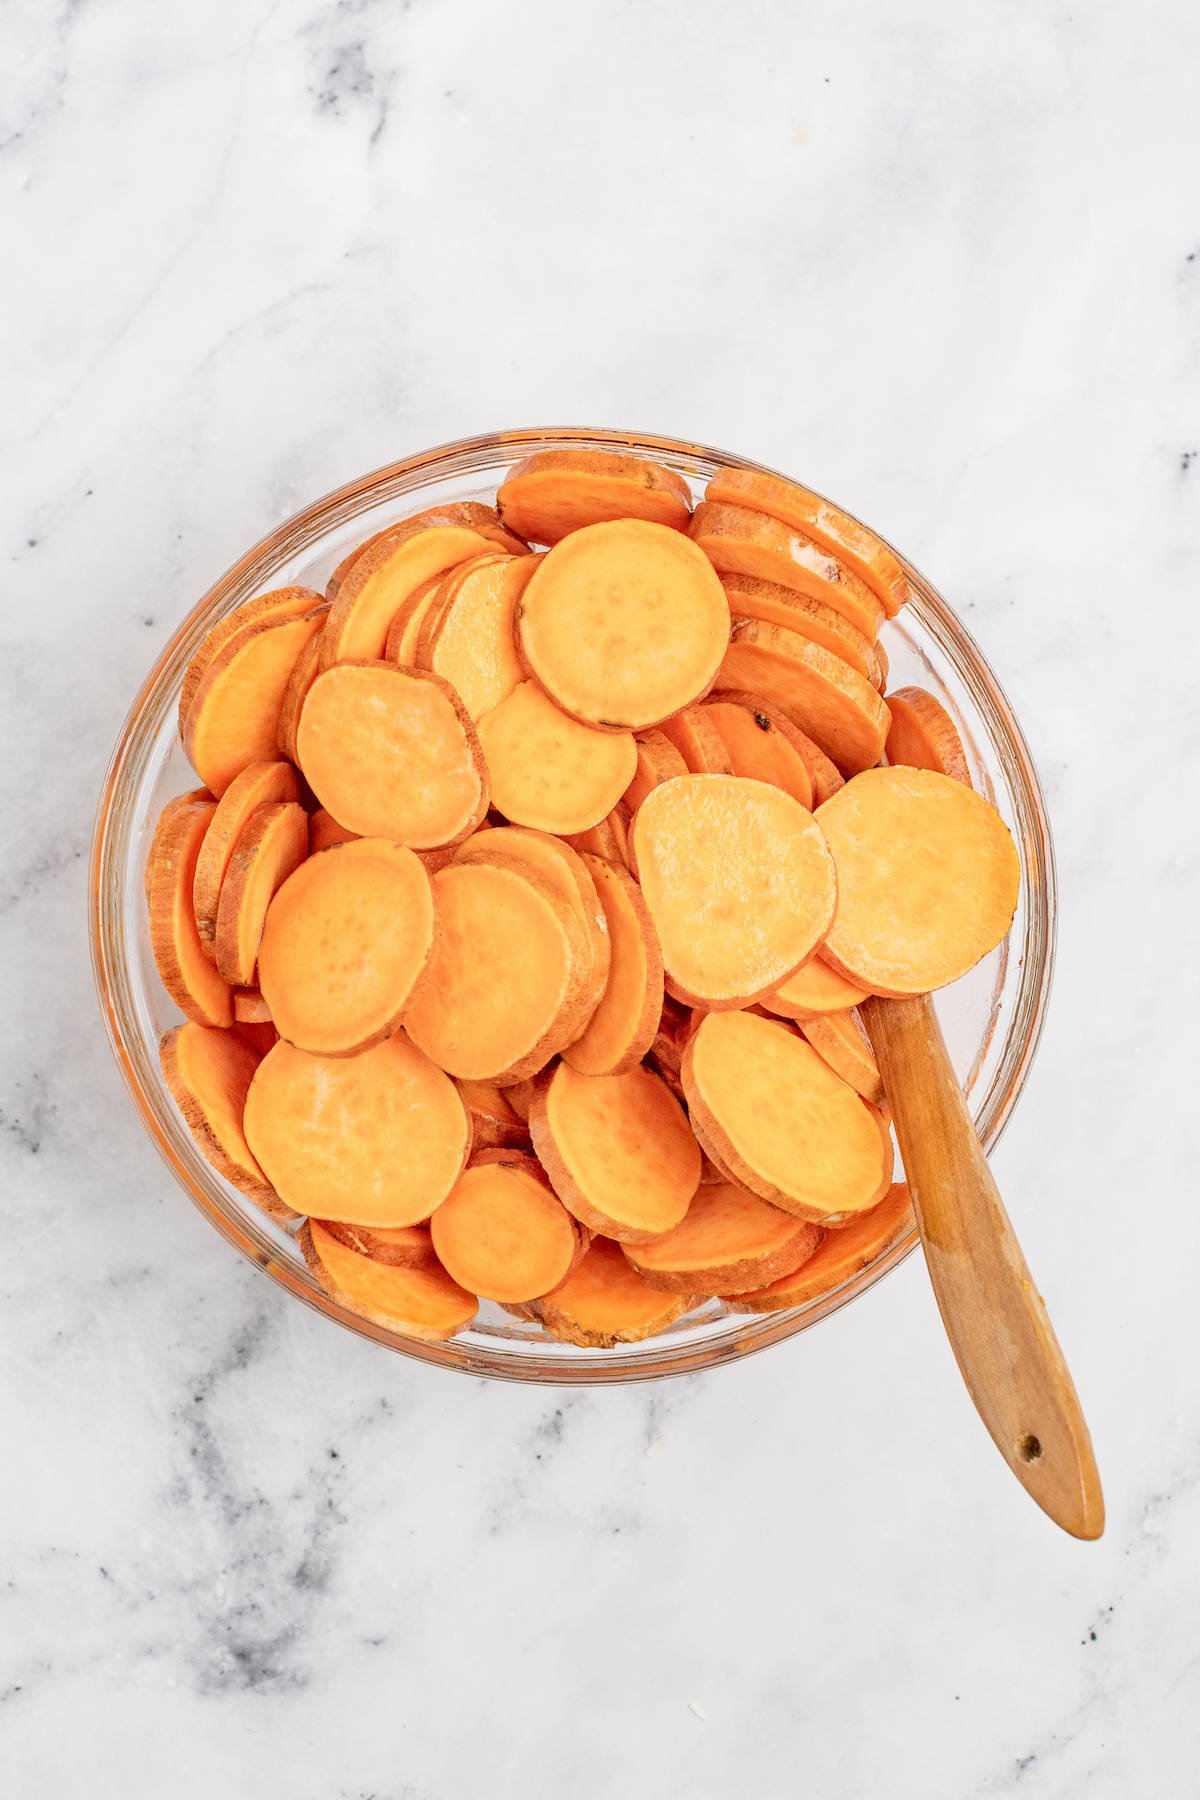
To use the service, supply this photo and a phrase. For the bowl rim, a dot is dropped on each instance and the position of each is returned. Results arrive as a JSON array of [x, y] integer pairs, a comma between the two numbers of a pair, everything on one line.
[[110, 965]]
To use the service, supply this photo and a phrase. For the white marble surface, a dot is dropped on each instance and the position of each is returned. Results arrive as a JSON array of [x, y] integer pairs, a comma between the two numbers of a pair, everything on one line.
[[945, 263]]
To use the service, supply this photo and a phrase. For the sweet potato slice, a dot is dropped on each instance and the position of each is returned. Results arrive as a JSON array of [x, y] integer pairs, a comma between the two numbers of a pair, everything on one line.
[[762, 745], [379, 581], [469, 513], [841, 1254], [827, 778], [657, 761], [769, 1110], [845, 1046], [675, 1026], [261, 784], [189, 975], [729, 1241], [495, 1122], [622, 1027], [274, 842], [324, 832], [740, 542], [812, 618], [420, 1302], [234, 718], [812, 991], [828, 699], [408, 622], [698, 741], [399, 1246], [374, 1139], [554, 492], [928, 880], [867, 555], [304, 672], [922, 735], [209, 1073], [504, 990], [605, 1302], [739, 882], [249, 1008], [391, 753], [280, 603], [468, 640], [260, 1034], [549, 771], [608, 838], [503, 1233], [346, 941], [617, 1148], [623, 624]]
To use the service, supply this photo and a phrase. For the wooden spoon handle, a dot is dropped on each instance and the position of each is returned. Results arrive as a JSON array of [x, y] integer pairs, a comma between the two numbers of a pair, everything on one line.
[[994, 1316]]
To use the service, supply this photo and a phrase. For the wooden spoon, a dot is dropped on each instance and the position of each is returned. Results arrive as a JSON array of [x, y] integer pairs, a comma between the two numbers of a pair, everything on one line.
[[994, 1316]]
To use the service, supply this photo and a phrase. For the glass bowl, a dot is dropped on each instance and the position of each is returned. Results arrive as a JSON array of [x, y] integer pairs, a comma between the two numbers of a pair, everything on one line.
[[992, 1019]]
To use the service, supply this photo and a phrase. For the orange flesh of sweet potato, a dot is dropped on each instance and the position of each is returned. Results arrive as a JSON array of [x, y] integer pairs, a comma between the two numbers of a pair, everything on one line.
[[469, 513], [374, 1139], [928, 880], [867, 555], [503, 990], [623, 624], [768, 1109], [379, 582], [827, 778], [261, 1035], [391, 753], [622, 1027], [324, 831], [841, 1040], [776, 605], [274, 842], [829, 700], [258, 785], [762, 746], [209, 1072], [739, 882], [555, 492], [280, 603], [675, 1026], [399, 1246], [185, 970], [502, 1233], [549, 771], [841, 1254], [346, 941], [234, 719], [304, 672], [729, 1241], [922, 735], [400, 645], [698, 741], [469, 640], [495, 1122], [420, 1302], [812, 991], [609, 838], [605, 1302], [617, 1148], [249, 1008], [740, 542], [657, 761]]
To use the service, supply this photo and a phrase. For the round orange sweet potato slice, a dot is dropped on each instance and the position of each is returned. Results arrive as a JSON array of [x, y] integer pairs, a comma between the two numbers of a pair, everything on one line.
[[274, 842], [304, 672], [280, 603], [324, 831], [623, 1025], [549, 771], [698, 741], [729, 1241], [657, 761], [623, 624], [922, 735], [617, 1148], [186, 971], [841, 1254], [504, 990], [812, 618], [843, 1043], [826, 777], [772, 1113], [391, 753], [740, 542], [495, 1122], [234, 718], [928, 880], [554, 492], [399, 1246], [861, 551], [763, 745], [812, 991], [502, 1233], [380, 580], [420, 1302], [209, 1073], [739, 882], [609, 838], [409, 621], [675, 1026], [374, 1139], [249, 1008], [346, 941], [831, 702], [468, 640], [261, 784], [604, 1302], [469, 513]]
